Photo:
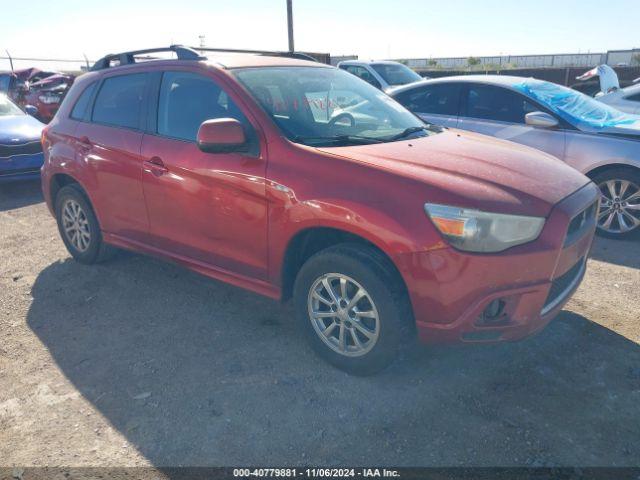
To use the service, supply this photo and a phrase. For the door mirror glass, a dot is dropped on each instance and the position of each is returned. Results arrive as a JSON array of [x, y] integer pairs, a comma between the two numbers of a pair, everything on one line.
[[221, 135], [540, 119]]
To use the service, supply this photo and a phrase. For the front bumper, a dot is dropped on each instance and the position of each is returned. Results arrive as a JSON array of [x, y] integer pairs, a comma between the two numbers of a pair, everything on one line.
[[46, 111], [450, 289], [20, 166]]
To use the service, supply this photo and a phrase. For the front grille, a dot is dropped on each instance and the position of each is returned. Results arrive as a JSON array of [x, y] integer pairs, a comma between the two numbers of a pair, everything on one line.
[[22, 149], [561, 286], [581, 223]]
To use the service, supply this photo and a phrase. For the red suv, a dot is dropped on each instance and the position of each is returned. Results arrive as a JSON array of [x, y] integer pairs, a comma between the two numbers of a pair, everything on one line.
[[295, 179]]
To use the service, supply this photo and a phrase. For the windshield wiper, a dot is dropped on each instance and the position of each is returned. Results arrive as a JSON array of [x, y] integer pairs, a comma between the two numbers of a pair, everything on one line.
[[339, 139], [406, 132]]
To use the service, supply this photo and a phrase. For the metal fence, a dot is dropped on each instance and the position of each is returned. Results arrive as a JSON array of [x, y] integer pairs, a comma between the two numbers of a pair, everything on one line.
[[611, 57]]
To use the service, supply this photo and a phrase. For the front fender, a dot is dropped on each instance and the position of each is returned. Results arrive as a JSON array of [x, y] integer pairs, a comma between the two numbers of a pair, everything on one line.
[[392, 234]]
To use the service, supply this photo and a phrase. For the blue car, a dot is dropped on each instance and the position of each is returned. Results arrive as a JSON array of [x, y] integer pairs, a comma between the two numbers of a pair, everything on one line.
[[20, 149]]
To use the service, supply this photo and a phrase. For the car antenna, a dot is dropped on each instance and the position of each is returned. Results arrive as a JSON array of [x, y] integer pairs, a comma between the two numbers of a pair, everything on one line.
[[10, 60]]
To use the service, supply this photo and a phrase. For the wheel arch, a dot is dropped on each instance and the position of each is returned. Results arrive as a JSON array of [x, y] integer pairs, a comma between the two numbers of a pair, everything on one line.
[[610, 166], [313, 239], [59, 180]]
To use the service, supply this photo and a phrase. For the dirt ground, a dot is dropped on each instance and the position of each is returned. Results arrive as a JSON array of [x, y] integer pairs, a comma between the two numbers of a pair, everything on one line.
[[139, 362]]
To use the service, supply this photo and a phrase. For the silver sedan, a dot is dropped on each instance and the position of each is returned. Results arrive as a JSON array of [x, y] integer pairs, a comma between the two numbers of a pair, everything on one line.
[[592, 137]]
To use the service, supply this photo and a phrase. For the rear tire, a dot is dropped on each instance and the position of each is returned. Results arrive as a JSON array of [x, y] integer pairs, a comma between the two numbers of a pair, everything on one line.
[[79, 227], [360, 325], [619, 215]]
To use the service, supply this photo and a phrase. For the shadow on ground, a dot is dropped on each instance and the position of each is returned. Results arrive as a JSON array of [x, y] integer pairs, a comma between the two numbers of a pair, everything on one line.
[[619, 252], [20, 194], [194, 372]]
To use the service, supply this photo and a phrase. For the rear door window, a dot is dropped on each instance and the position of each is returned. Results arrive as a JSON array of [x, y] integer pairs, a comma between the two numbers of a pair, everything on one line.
[[489, 102], [440, 99], [120, 100]]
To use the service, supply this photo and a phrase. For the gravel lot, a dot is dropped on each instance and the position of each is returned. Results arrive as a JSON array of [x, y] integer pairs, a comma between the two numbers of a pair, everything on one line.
[[139, 362]]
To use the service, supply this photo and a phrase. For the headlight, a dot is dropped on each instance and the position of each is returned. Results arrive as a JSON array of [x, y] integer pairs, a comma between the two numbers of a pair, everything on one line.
[[476, 231]]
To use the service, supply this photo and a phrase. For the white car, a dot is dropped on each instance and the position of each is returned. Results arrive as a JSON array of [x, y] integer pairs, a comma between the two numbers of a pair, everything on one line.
[[383, 75], [624, 99]]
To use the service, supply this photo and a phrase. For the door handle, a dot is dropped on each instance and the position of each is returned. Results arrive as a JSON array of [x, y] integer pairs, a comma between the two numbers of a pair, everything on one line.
[[155, 165]]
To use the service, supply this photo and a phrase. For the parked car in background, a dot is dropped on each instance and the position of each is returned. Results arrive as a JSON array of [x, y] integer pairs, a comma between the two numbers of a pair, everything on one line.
[[625, 99], [381, 74], [47, 94], [16, 84], [623, 96], [32, 74], [376, 230], [20, 149], [592, 137], [13, 87]]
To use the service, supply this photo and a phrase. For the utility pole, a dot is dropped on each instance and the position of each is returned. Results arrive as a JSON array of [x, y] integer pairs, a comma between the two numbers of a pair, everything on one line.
[[290, 24]]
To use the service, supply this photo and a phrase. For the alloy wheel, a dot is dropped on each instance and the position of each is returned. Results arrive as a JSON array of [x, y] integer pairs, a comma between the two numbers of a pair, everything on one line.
[[76, 225], [619, 206], [343, 314]]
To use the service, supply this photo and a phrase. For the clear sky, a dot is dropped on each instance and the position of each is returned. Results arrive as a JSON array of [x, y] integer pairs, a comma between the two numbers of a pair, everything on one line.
[[369, 28]]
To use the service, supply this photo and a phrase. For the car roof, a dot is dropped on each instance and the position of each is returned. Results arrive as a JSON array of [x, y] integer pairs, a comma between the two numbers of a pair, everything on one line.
[[369, 62], [500, 80], [244, 60], [223, 61]]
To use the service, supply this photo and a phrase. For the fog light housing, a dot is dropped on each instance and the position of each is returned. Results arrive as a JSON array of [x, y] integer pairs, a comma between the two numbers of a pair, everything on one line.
[[493, 313]]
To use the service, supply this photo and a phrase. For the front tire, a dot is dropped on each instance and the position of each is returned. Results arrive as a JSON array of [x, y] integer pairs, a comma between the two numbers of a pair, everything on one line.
[[352, 308], [619, 215], [79, 227]]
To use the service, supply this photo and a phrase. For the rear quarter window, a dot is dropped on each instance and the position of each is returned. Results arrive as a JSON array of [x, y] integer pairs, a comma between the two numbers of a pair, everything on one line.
[[80, 109]]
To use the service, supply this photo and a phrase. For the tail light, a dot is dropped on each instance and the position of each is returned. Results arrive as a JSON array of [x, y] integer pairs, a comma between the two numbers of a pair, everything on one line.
[[44, 140]]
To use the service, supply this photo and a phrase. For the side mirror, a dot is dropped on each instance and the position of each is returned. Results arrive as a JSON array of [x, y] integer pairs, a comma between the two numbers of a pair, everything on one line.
[[540, 119], [31, 110], [221, 135]]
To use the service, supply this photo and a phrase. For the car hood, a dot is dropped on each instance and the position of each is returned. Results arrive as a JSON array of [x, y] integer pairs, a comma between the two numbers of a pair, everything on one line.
[[474, 171], [16, 129], [629, 129]]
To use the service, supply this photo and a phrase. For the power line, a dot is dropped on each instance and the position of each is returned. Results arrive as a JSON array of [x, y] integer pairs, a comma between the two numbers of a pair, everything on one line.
[[44, 59]]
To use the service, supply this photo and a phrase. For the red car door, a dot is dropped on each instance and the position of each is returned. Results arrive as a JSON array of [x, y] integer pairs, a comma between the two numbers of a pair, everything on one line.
[[109, 142], [206, 207]]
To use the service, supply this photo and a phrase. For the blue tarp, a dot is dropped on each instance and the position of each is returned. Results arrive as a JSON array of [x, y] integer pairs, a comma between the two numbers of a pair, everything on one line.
[[575, 107]]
